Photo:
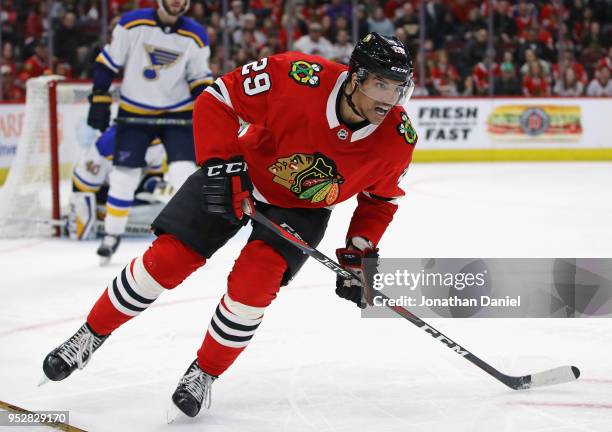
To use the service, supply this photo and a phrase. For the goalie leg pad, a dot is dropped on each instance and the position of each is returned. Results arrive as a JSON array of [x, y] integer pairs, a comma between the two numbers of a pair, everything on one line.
[[82, 217]]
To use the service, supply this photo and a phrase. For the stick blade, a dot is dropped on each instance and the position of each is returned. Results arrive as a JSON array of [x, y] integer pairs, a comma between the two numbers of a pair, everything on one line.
[[559, 375]]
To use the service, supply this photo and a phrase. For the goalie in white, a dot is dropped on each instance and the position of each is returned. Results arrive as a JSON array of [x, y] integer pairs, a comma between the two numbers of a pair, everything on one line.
[[90, 183]]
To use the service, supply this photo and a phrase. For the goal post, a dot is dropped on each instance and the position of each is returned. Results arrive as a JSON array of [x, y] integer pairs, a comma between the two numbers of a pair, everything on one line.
[[53, 137]]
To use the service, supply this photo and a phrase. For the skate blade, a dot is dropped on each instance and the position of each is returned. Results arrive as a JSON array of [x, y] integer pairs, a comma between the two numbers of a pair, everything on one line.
[[173, 413], [44, 380]]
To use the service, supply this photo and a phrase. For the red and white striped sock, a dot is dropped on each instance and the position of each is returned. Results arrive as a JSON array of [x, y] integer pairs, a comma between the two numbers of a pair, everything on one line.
[[163, 266], [231, 329]]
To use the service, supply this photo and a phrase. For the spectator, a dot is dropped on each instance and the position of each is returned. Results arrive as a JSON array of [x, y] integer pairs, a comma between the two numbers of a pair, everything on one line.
[[327, 25], [446, 30], [198, 13], [503, 23], [380, 24], [480, 75], [11, 90], [507, 83], [235, 17], [593, 41], [444, 75], [249, 24], [568, 84], [338, 8], [601, 85], [36, 64], [35, 25], [342, 47], [314, 42], [66, 40], [530, 56], [434, 14], [476, 48], [525, 15], [393, 8], [340, 24], [400, 33], [362, 21], [8, 58], [408, 20], [284, 36], [468, 87], [461, 9], [262, 8], [474, 23], [567, 62], [606, 60], [535, 82], [531, 41], [552, 14]]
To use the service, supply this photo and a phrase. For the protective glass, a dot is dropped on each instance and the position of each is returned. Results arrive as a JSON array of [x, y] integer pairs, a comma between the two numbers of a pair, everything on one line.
[[383, 90]]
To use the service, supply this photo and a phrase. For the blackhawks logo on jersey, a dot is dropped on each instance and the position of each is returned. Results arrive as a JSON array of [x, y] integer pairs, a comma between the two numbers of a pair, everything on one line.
[[311, 177], [160, 58], [305, 73], [406, 130]]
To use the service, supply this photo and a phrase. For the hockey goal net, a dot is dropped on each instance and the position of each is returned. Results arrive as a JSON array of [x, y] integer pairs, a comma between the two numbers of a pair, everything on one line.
[[36, 192]]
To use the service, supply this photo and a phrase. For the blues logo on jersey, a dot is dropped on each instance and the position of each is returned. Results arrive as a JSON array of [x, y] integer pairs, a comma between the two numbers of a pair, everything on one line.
[[160, 58]]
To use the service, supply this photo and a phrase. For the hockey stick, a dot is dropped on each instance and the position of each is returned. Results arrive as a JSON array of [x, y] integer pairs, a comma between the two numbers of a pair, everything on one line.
[[549, 377], [154, 121]]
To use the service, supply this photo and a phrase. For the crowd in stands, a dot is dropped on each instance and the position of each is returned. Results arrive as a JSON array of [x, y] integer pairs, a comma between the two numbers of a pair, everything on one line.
[[540, 47]]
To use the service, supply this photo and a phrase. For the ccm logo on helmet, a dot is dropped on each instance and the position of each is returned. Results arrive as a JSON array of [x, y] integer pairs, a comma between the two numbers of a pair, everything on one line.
[[227, 168], [395, 68]]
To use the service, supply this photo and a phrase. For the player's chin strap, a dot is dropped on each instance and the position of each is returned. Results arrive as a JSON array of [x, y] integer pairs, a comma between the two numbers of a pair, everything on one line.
[[349, 100]]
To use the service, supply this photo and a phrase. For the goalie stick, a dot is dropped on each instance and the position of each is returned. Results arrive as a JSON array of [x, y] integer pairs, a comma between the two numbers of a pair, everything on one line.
[[558, 375]]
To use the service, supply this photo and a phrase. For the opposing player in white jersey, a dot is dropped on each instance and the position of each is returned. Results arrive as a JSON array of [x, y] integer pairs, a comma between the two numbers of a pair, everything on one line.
[[164, 58], [90, 177]]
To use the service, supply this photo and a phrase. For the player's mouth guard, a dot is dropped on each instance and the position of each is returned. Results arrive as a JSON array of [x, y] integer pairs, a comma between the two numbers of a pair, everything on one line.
[[383, 91]]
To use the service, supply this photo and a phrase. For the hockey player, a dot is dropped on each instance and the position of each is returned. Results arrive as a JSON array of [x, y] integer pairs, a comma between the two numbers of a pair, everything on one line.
[[90, 186], [164, 57], [319, 135]]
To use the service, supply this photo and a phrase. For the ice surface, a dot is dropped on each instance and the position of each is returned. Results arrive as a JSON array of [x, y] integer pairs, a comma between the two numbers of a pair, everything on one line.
[[314, 364]]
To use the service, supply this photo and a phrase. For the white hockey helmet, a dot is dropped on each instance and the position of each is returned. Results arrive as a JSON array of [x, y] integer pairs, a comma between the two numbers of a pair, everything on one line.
[[162, 6]]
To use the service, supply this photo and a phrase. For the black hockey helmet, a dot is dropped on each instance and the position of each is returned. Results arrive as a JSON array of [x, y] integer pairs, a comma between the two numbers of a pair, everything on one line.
[[382, 55]]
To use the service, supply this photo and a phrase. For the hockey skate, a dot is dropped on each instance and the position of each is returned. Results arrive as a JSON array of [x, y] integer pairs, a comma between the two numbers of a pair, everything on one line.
[[193, 391], [72, 354], [107, 248]]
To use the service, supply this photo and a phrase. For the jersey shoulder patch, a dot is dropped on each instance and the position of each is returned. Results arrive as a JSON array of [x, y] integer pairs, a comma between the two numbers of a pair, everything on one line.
[[309, 70], [192, 29], [404, 128], [137, 18]]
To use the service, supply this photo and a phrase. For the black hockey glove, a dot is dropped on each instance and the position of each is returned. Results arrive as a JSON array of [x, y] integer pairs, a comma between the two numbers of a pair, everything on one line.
[[227, 184], [354, 259], [99, 110]]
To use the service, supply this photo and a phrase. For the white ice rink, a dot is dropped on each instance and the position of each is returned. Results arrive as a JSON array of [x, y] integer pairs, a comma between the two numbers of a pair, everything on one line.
[[314, 364]]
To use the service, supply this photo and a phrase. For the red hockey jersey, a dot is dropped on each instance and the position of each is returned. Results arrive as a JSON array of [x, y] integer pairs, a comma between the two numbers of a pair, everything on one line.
[[299, 154]]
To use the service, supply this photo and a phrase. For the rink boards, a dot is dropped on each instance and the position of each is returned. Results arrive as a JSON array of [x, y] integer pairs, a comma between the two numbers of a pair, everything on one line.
[[449, 129]]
